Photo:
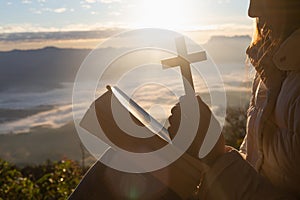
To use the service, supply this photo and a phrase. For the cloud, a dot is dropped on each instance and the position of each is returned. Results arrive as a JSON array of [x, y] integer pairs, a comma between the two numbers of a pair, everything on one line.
[[60, 10], [55, 118], [90, 1], [37, 12], [87, 6], [55, 10], [26, 1], [115, 13], [224, 1], [148, 96], [101, 1], [109, 1], [58, 35]]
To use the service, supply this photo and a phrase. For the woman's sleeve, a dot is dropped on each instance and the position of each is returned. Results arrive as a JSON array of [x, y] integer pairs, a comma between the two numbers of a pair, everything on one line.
[[231, 177]]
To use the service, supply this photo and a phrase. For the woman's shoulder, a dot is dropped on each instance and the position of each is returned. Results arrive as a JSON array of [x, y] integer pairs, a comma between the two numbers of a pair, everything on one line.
[[290, 90], [287, 57]]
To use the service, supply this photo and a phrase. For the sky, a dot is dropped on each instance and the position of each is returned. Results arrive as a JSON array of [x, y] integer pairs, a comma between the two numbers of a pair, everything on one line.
[[27, 23]]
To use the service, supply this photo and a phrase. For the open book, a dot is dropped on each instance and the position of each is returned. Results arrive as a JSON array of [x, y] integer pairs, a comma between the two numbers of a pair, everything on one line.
[[181, 176]]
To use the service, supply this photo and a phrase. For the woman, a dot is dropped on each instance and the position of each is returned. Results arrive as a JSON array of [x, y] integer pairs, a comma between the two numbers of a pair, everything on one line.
[[267, 166]]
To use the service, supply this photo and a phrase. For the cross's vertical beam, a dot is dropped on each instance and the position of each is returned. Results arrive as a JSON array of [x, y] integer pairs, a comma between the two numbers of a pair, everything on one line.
[[185, 65]]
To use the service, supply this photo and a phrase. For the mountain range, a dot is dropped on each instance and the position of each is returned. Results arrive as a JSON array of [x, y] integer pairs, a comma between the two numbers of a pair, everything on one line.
[[47, 68]]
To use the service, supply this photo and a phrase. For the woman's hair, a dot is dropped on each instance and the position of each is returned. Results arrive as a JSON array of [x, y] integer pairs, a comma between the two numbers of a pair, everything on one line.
[[266, 39]]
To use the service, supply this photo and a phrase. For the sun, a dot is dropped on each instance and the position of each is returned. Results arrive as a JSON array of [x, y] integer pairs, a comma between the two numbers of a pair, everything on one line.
[[161, 13]]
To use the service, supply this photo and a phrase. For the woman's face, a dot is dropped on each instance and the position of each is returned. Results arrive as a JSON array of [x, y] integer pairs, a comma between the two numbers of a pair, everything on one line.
[[270, 13]]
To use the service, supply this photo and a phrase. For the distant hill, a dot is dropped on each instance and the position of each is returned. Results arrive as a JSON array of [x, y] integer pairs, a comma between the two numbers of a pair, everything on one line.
[[225, 49], [39, 70], [42, 144]]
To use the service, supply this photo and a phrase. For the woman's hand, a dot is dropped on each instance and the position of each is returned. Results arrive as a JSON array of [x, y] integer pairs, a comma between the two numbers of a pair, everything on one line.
[[206, 117], [121, 129]]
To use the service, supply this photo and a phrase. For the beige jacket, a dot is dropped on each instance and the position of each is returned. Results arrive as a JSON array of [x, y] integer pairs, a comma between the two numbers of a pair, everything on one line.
[[272, 144]]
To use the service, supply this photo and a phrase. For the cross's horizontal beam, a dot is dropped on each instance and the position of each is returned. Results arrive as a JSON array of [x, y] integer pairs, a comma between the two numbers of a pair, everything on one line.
[[180, 60]]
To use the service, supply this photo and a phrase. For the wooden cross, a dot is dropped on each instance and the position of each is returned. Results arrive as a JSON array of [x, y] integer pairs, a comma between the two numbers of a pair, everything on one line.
[[184, 60]]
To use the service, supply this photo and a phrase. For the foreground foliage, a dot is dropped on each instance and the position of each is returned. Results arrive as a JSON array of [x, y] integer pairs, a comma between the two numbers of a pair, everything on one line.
[[234, 129], [50, 181]]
